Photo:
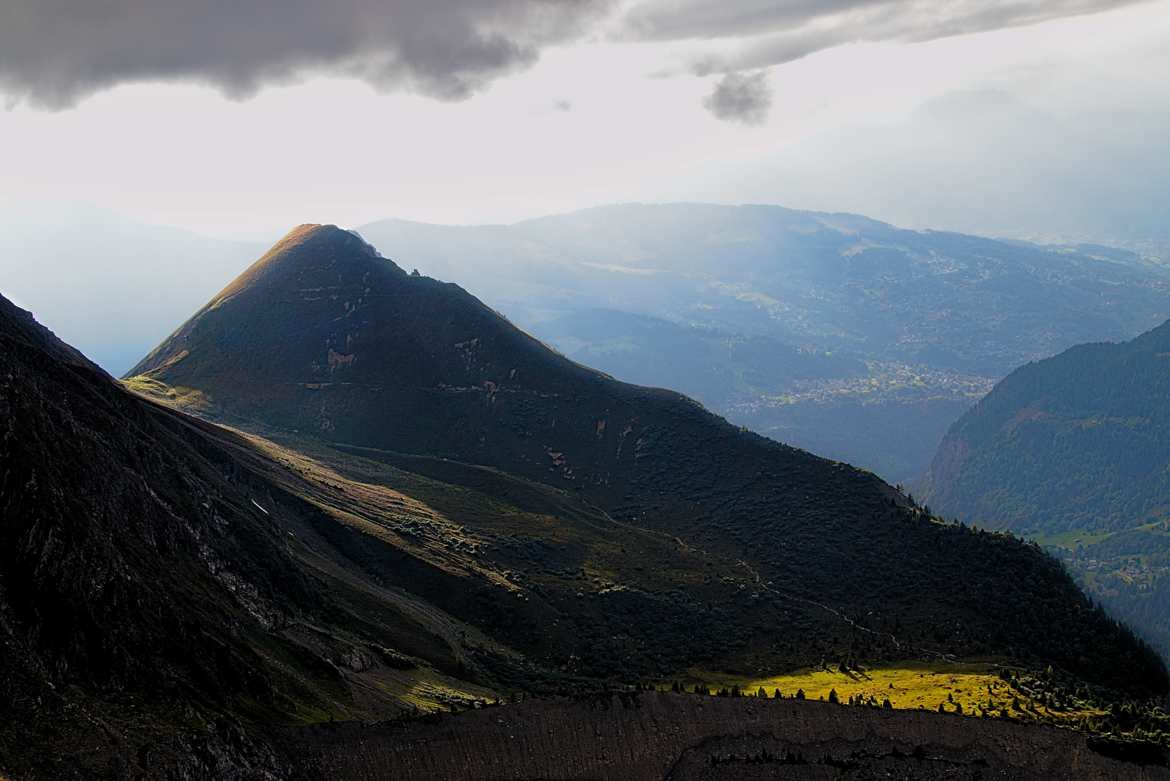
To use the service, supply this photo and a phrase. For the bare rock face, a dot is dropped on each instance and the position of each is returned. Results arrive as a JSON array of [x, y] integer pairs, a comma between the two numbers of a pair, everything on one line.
[[692, 738]]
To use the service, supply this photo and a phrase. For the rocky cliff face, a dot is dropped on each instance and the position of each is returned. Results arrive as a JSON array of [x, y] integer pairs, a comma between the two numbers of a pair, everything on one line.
[[649, 736]]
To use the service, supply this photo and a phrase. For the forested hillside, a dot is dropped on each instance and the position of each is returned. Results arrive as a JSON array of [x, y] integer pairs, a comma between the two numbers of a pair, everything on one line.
[[1075, 451]]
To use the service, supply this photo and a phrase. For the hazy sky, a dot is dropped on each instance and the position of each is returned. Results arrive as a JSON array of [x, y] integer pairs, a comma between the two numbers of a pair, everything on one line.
[[245, 121]]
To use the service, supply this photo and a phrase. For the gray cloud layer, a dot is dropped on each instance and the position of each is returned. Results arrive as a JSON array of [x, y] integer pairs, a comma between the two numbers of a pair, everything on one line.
[[741, 97], [773, 32], [53, 53], [56, 52]]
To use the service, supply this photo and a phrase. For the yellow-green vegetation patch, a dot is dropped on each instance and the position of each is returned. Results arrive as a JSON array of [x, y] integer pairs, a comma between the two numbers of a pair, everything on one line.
[[430, 691], [168, 394], [974, 688]]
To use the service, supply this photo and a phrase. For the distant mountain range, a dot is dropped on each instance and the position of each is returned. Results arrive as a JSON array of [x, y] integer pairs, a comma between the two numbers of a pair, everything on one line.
[[837, 281], [926, 322], [831, 332], [719, 367], [1074, 451]]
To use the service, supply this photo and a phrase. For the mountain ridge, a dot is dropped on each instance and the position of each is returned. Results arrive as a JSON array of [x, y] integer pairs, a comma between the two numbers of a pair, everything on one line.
[[395, 362]]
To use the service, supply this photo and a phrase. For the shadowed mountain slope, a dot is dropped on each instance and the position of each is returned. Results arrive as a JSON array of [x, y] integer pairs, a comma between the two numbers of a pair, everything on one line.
[[325, 338], [170, 590]]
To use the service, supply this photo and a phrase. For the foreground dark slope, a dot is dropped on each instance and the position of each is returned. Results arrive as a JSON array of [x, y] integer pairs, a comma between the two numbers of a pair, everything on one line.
[[1074, 450], [120, 551], [324, 337], [171, 590]]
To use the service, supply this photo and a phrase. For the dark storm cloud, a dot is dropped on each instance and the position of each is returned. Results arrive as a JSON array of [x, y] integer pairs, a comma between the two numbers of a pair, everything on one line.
[[55, 52], [775, 32], [741, 97]]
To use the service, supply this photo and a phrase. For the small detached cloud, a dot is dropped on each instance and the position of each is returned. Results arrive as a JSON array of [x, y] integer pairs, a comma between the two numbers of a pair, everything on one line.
[[741, 97], [563, 105]]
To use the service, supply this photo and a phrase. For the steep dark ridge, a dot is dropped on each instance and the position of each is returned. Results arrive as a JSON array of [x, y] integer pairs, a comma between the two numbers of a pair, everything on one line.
[[1023, 457], [111, 534], [21, 331], [324, 337]]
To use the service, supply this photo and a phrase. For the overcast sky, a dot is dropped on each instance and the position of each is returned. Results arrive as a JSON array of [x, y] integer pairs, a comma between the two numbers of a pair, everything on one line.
[[241, 119]]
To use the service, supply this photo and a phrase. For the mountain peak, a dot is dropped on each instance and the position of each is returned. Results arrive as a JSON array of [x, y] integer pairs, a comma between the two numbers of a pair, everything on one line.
[[323, 242], [316, 232], [319, 269], [309, 249]]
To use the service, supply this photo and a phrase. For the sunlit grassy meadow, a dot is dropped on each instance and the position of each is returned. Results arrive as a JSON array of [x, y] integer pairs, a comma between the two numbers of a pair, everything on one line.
[[974, 688]]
